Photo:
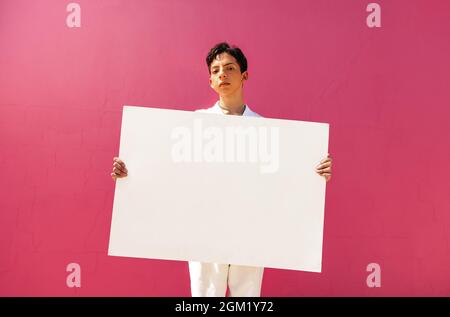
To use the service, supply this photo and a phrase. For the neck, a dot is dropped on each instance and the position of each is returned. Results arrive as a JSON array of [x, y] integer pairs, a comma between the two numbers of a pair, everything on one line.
[[233, 105]]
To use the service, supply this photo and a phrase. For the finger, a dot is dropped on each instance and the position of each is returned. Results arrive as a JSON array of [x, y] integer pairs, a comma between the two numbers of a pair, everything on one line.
[[123, 165], [325, 170], [120, 167], [118, 160], [324, 174], [119, 172], [116, 176], [328, 159], [323, 165]]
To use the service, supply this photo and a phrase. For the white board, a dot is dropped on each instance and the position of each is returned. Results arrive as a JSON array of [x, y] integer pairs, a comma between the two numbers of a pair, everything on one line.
[[197, 202]]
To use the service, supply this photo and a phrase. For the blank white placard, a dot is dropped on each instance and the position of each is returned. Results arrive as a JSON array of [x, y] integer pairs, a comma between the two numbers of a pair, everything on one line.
[[223, 212]]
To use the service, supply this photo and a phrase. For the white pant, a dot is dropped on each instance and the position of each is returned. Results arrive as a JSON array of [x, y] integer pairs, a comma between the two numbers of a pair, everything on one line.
[[212, 279]]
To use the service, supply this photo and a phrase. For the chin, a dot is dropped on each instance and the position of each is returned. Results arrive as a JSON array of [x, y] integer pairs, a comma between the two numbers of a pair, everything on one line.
[[226, 92]]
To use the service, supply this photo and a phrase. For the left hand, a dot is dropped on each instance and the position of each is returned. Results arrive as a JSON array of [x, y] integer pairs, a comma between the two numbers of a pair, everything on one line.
[[324, 168]]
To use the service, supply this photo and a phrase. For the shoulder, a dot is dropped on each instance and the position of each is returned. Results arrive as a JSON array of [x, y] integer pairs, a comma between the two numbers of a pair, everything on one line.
[[213, 109], [205, 110], [250, 113]]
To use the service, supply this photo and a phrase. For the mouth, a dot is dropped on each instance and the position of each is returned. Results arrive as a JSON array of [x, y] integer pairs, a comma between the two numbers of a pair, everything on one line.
[[224, 84]]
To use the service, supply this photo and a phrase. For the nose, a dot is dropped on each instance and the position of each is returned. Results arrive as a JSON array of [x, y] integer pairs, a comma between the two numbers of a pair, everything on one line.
[[222, 74]]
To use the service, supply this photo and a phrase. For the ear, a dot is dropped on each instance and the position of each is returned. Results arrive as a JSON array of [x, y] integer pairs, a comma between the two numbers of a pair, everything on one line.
[[245, 75], [210, 82]]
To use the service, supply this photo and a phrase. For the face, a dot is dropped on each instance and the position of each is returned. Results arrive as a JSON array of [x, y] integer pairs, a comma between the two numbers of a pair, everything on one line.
[[226, 77]]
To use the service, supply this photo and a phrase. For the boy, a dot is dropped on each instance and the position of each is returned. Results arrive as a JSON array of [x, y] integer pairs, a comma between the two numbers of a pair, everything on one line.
[[227, 68]]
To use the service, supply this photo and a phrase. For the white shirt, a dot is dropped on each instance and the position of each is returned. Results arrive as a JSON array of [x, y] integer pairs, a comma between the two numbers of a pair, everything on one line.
[[213, 279], [216, 109]]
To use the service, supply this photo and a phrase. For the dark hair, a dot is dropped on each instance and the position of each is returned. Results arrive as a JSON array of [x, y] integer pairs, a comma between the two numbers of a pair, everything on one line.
[[225, 48]]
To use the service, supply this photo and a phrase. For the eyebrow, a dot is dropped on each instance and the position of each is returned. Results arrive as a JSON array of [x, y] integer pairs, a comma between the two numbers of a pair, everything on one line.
[[223, 65]]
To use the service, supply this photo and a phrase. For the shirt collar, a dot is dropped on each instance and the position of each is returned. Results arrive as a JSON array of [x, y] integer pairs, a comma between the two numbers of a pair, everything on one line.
[[217, 109]]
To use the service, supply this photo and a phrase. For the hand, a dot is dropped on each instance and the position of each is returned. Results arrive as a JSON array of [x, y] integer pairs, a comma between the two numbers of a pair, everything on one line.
[[324, 168], [119, 169]]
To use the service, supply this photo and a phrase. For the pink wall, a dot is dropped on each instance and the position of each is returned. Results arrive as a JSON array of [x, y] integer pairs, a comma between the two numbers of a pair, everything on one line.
[[384, 91]]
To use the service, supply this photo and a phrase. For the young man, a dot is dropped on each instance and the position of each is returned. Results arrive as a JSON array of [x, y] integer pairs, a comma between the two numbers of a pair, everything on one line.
[[227, 68]]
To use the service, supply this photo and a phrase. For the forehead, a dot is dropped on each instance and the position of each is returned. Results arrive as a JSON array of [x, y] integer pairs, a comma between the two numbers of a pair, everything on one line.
[[223, 59]]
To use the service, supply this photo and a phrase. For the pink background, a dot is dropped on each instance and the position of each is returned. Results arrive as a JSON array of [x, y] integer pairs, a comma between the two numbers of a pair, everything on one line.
[[384, 91]]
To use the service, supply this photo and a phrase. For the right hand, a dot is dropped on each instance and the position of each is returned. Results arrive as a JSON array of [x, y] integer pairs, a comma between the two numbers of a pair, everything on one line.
[[119, 169]]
